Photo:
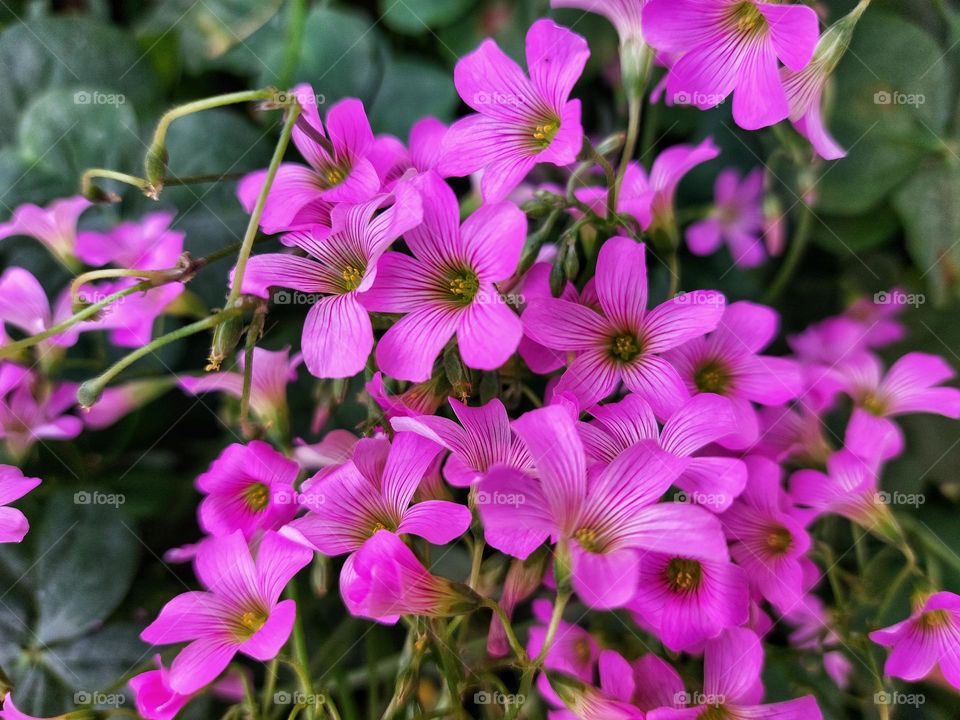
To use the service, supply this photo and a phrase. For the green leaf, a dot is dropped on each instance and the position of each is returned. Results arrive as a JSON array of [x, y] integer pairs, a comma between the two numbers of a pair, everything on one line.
[[68, 52], [893, 100], [87, 554], [930, 212], [415, 17], [64, 132], [412, 89], [845, 236]]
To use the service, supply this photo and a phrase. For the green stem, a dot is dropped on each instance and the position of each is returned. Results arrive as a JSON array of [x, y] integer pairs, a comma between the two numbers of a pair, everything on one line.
[[254, 331], [634, 111], [909, 569], [797, 250], [512, 639], [88, 190], [13, 348], [298, 644], [106, 273], [266, 696], [526, 680], [292, 114], [90, 391], [673, 263], [291, 49]]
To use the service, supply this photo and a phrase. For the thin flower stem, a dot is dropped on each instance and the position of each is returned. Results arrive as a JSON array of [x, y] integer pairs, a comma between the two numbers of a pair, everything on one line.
[[269, 685], [292, 114], [634, 111], [90, 391], [298, 644], [909, 569], [512, 639], [291, 48], [87, 187], [673, 264], [250, 698], [106, 273], [526, 680], [797, 250], [254, 331], [7, 351]]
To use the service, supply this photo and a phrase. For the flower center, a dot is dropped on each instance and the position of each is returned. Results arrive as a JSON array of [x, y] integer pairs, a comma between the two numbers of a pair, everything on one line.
[[544, 133], [581, 651], [249, 623], [934, 620], [624, 347], [333, 175], [256, 496], [462, 286], [779, 540], [684, 575], [714, 712], [589, 539], [874, 404], [747, 18], [351, 277], [712, 377]]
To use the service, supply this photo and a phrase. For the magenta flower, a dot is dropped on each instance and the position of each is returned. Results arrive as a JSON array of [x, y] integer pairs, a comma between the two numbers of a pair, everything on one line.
[[272, 371], [55, 225], [766, 540], [338, 170], [423, 155], [710, 481], [24, 305], [130, 319], [335, 448], [608, 517], [536, 285], [521, 121], [36, 411], [928, 638], [447, 288], [247, 488], [10, 712], [732, 687], [804, 91], [649, 682], [909, 386], [384, 580], [687, 600], [736, 218], [728, 363], [622, 341], [372, 491], [340, 266], [240, 611], [732, 46], [481, 441], [849, 489], [13, 486], [154, 697], [420, 399], [147, 244]]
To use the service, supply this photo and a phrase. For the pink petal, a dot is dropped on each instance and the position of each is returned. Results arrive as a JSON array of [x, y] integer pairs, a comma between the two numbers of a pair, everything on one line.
[[287, 271], [564, 325], [337, 337], [439, 521], [703, 238], [794, 30], [759, 100], [488, 332], [514, 512], [682, 318], [267, 642], [408, 349], [621, 281], [556, 57], [605, 580], [493, 237], [199, 664]]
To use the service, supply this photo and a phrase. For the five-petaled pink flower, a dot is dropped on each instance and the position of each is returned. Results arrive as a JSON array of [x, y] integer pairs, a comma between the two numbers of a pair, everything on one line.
[[448, 287], [736, 218], [240, 611], [521, 121], [622, 340], [732, 46]]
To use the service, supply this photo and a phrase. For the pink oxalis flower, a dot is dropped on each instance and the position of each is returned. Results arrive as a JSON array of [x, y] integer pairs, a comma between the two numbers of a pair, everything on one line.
[[448, 287], [520, 120], [736, 218], [732, 46], [55, 225], [240, 611], [622, 341]]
